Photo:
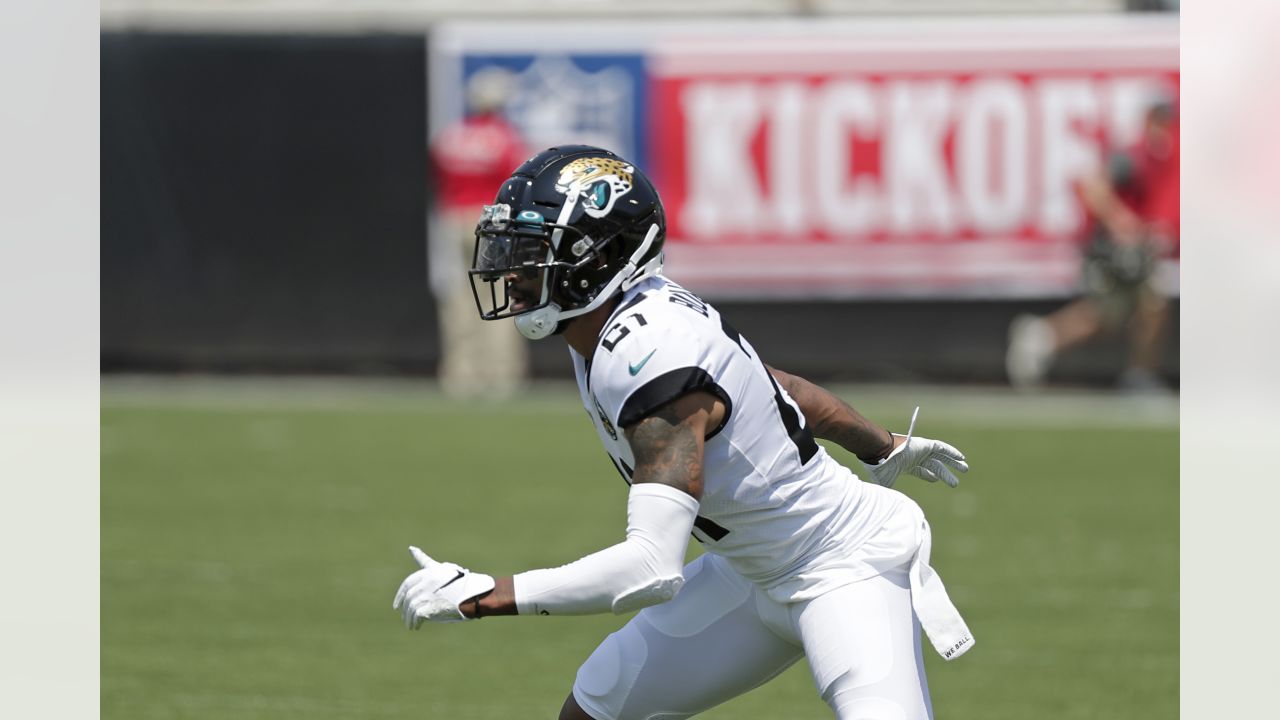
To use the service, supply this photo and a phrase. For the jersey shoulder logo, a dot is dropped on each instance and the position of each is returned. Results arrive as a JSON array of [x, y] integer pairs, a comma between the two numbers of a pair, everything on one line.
[[604, 418], [635, 368]]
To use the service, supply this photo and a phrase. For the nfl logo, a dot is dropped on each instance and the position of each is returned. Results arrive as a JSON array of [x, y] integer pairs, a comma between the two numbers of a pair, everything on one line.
[[555, 102]]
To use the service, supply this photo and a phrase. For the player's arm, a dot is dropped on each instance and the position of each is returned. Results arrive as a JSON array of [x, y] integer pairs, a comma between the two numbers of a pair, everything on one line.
[[887, 455], [668, 444], [831, 418], [645, 568]]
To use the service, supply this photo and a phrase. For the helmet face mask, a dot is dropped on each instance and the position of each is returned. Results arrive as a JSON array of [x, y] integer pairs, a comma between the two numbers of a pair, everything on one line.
[[520, 255], [607, 235]]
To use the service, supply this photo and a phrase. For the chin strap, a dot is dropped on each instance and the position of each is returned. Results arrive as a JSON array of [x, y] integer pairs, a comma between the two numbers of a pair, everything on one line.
[[648, 270], [541, 323]]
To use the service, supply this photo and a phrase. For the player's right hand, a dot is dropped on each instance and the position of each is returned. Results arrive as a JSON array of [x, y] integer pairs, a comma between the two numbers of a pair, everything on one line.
[[434, 593]]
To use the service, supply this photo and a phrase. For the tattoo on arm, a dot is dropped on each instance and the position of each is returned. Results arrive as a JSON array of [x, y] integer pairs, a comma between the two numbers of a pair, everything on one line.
[[668, 447], [831, 418]]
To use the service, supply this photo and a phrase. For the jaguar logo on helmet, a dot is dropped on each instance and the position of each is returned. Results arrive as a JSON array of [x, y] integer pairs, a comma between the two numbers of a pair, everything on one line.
[[598, 181]]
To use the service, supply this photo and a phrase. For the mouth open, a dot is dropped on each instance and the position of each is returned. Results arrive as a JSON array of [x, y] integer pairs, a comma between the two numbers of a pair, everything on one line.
[[523, 292], [511, 290]]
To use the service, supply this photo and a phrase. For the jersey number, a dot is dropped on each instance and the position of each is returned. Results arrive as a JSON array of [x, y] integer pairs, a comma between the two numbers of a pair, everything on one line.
[[619, 330]]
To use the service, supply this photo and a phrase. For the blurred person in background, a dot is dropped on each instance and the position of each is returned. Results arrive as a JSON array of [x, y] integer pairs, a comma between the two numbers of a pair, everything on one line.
[[803, 559], [1133, 223], [470, 158]]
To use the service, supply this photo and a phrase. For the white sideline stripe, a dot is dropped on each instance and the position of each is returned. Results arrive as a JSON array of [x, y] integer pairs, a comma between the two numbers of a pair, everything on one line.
[[987, 406], [318, 393], [889, 405]]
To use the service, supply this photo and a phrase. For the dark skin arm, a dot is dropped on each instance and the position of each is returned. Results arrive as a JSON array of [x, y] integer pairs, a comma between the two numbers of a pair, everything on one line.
[[668, 449], [668, 444], [831, 418]]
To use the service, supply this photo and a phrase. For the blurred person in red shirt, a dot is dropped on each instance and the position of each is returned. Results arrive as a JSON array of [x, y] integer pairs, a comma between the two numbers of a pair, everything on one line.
[[470, 159], [1133, 208]]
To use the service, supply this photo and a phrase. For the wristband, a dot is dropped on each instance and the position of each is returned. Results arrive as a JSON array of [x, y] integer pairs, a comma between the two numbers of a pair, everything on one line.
[[880, 457]]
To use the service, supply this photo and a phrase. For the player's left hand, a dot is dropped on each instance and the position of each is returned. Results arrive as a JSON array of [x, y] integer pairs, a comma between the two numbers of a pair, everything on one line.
[[931, 460], [434, 592]]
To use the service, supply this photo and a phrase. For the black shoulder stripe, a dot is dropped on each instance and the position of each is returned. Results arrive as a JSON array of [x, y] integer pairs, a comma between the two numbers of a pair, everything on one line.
[[670, 386], [733, 334], [800, 435]]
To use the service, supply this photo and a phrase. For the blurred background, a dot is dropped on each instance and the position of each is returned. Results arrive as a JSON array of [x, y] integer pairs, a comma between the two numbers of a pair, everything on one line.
[[970, 205], [833, 172]]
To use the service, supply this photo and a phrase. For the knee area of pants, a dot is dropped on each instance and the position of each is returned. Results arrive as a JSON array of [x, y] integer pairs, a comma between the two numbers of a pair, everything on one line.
[[607, 677]]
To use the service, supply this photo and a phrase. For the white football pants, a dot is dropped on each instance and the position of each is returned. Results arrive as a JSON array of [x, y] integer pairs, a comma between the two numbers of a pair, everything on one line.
[[721, 636]]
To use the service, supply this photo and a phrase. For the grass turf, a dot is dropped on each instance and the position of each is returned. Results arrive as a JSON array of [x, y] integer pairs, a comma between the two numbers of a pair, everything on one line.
[[249, 557]]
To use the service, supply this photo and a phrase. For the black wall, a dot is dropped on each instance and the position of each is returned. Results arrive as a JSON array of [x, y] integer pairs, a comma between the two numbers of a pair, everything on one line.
[[263, 209], [264, 203], [926, 341]]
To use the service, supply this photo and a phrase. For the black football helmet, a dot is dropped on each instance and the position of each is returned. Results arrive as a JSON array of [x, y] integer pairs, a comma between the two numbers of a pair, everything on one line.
[[571, 228]]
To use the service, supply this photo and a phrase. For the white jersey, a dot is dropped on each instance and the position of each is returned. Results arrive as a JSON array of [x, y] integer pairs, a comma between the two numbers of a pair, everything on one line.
[[775, 505]]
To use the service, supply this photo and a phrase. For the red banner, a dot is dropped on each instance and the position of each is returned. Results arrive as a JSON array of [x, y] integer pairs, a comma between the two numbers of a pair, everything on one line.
[[910, 159]]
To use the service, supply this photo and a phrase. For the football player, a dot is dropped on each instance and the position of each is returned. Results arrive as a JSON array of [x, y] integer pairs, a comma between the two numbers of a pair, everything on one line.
[[803, 559]]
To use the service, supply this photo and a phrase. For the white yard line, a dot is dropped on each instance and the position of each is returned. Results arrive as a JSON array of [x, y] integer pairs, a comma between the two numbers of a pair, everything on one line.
[[887, 404], [1001, 406], [323, 393]]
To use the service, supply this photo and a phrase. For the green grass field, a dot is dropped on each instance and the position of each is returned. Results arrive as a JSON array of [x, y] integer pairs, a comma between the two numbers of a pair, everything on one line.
[[252, 541]]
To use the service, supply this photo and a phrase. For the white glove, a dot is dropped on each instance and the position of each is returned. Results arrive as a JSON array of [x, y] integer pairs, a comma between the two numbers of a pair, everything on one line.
[[930, 460], [434, 592]]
